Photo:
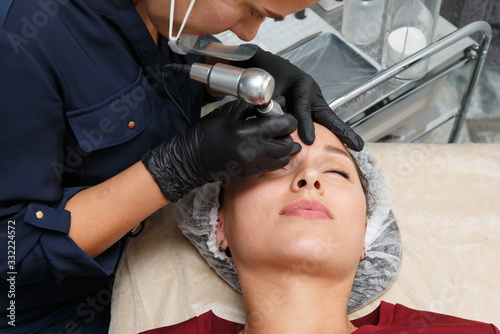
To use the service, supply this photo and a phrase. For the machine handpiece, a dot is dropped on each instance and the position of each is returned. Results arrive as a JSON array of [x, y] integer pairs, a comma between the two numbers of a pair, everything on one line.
[[252, 85]]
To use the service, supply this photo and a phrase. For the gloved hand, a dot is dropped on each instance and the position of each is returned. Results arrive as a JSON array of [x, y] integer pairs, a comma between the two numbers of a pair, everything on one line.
[[222, 145], [304, 98]]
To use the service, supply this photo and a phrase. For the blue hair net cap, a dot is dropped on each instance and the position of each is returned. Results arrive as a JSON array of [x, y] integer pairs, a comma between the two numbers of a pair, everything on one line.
[[197, 219]]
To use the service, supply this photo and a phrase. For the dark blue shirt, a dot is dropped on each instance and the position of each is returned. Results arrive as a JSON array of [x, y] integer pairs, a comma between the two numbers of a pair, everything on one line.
[[81, 99]]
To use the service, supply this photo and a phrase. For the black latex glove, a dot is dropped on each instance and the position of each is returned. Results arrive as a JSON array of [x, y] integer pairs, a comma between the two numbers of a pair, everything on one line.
[[304, 99], [221, 146]]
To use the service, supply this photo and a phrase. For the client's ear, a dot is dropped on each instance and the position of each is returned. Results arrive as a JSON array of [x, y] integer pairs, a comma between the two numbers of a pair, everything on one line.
[[220, 236]]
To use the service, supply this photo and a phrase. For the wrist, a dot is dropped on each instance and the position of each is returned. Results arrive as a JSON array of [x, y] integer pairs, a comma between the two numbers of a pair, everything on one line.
[[172, 170]]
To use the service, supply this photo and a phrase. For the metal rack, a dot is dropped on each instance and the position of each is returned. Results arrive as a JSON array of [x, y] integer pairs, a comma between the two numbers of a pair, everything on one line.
[[383, 91]]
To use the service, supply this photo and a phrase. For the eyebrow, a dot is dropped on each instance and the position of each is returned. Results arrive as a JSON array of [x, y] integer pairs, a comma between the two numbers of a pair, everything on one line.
[[336, 150]]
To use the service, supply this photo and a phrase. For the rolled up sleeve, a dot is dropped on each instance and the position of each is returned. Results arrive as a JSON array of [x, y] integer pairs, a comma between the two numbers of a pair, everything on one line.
[[44, 251]]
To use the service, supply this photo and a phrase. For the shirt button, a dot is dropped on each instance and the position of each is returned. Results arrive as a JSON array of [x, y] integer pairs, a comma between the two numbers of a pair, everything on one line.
[[39, 214], [131, 125]]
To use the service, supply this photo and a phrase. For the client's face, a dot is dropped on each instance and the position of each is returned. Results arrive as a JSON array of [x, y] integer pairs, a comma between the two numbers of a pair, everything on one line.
[[310, 213]]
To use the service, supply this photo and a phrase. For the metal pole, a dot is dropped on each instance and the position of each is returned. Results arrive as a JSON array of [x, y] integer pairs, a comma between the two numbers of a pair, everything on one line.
[[479, 55], [423, 54]]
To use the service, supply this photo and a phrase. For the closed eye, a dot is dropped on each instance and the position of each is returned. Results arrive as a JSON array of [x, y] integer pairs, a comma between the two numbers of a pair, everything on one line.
[[258, 16], [339, 171]]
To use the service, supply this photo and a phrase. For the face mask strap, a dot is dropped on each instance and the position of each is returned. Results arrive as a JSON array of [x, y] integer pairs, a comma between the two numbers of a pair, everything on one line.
[[189, 46], [171, 23]]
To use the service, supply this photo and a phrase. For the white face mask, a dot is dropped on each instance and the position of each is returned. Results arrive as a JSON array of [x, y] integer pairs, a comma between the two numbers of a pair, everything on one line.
[[199, 44]]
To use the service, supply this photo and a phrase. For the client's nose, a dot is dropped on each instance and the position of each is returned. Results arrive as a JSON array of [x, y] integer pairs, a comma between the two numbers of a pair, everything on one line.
[[308, 179]]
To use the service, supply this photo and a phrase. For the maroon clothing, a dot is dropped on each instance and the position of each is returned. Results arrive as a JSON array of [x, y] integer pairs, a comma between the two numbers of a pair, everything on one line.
[[391, 319], [207, 323], [387, 318]]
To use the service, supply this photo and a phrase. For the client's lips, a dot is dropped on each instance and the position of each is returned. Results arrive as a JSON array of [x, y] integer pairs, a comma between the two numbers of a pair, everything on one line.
[[307, 209]]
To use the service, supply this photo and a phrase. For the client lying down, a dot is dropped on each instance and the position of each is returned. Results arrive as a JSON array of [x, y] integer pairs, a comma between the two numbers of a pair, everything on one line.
[[296, 237]]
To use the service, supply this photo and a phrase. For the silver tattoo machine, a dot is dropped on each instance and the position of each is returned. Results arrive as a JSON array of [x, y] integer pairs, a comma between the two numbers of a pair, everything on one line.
[[252, 85]]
